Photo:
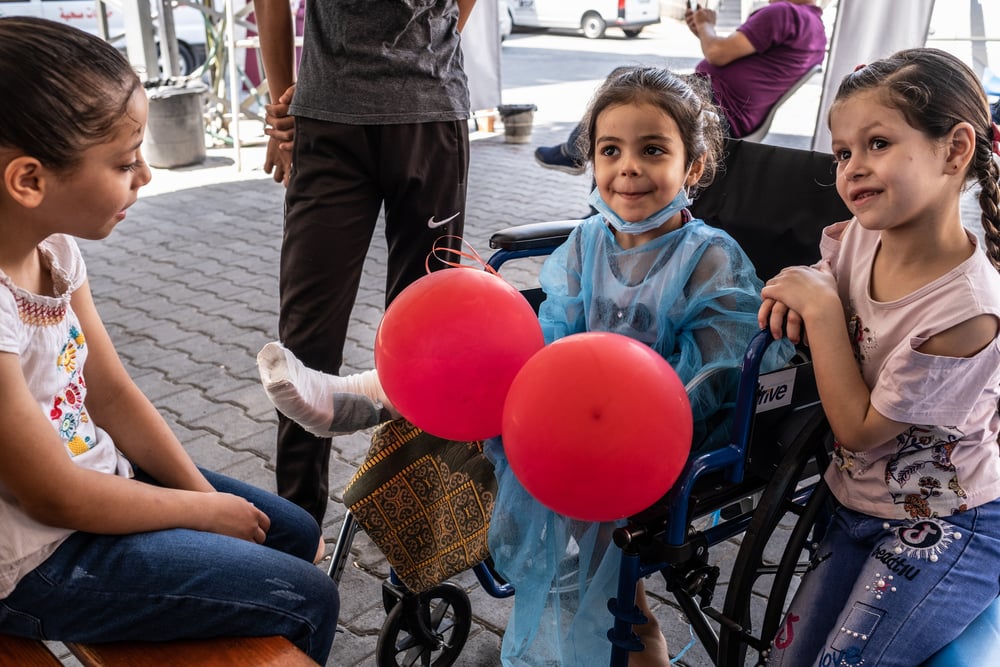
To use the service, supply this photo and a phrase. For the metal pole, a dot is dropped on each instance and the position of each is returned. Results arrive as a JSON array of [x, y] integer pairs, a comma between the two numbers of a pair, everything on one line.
[[140, 44], [977, 28], [169, 56], [102, 19], [235, 84]]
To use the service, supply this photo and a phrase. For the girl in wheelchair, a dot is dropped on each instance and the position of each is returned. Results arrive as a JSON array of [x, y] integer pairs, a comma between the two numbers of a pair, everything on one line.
[[901, 316], [642, 267]]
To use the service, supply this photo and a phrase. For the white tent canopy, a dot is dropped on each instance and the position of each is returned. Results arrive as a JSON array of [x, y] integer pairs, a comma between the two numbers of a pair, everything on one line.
[[866, 30], [481, 52]]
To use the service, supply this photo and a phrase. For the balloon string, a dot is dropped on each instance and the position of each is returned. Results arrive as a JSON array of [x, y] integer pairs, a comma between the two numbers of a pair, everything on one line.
[[472, 255]]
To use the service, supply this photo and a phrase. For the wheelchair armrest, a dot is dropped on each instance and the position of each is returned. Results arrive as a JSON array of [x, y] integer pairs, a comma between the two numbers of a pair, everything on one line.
[[533, 235], [706, 375]]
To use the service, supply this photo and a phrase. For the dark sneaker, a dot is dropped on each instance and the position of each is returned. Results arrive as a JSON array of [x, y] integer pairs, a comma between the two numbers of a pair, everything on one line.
[[552, 157]]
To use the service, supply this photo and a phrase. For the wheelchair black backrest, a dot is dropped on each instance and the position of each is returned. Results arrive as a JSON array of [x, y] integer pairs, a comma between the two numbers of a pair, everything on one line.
[[784, 401], [775, 201]]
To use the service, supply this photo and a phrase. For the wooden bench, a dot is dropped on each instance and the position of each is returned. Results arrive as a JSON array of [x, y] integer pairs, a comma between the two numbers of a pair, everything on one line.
[[220, 652], [19, 652]]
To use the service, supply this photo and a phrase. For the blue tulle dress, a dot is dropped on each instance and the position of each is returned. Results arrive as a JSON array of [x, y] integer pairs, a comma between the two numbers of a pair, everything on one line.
[[692, 295]]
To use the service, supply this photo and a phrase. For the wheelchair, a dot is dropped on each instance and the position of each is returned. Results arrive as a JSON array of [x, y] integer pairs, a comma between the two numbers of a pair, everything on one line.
[[774, 201]]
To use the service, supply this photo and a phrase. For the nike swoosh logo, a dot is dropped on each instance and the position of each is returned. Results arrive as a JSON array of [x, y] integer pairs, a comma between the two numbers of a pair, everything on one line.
[[432, 223]]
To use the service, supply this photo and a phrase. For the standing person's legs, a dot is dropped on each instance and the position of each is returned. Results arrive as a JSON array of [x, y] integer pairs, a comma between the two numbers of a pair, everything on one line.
[[425, 188], [175, 584], [331, 207]]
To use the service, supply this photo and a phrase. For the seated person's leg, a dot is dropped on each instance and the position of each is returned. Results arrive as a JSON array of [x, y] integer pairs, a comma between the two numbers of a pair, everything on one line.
[[293, 530], [565, 157], [322, 404], [180, 584]]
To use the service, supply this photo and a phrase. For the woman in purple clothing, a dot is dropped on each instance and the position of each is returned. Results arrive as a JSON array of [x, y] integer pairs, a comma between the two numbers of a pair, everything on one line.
[[749, 69], [755, 64]]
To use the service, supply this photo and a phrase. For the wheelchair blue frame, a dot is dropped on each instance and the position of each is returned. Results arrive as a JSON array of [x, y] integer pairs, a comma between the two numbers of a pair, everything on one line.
[[729, 461]]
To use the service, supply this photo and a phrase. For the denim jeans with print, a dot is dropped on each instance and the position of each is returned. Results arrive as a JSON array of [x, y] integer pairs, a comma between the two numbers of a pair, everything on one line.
[[180, 583], [891, 592]]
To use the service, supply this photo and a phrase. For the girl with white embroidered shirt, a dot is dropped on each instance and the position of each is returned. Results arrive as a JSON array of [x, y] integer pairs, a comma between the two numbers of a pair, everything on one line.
[[109, 530], [901, 316]]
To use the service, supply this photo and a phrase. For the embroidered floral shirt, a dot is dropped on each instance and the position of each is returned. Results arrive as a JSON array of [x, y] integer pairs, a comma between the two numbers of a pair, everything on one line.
[[946, 460], [43, 331]]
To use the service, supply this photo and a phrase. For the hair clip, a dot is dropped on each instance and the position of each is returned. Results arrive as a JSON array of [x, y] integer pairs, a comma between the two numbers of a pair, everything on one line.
[[996, 139], [861, 66]]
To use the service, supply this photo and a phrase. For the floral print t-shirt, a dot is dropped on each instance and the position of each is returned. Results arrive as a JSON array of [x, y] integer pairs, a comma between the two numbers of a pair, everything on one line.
[[43, 331], [946, 460]]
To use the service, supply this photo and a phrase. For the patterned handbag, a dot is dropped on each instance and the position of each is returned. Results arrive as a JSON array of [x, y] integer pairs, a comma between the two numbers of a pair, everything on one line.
[[424, 501]]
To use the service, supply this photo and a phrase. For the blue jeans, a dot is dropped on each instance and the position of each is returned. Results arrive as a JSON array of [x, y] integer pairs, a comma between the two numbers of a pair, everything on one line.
[[891, 593], [180, 583]]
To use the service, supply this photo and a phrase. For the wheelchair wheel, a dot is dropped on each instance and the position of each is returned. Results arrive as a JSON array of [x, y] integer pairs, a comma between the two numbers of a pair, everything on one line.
[[428, 628], [780, 499]]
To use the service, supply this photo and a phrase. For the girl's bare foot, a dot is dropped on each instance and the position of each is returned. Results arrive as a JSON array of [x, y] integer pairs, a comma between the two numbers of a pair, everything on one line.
[[320, 551], [654, 653]]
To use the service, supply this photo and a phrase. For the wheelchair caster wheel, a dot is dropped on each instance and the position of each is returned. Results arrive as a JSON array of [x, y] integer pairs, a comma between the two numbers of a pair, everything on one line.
[[428, 628]]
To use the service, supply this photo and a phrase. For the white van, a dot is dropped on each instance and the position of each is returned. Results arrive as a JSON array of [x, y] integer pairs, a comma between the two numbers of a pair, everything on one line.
[[189, 23], [591, 17]]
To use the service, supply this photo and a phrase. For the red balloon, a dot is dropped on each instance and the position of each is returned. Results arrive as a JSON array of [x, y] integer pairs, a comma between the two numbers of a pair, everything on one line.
[[597, 426], [448, 348]]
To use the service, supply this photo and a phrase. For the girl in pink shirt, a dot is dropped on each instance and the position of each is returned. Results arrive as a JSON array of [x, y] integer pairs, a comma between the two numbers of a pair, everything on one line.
[[902, 317]]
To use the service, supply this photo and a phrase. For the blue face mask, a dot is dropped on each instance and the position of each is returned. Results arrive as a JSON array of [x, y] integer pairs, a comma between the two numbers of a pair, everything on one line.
[[681, 201]]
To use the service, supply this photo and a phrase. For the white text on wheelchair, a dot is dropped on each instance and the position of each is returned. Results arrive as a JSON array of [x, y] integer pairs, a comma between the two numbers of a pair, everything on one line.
[[774, 390]]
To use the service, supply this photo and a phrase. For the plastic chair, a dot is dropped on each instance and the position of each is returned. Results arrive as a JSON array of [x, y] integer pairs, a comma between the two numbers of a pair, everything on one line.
[[979, 644], [761, 131]]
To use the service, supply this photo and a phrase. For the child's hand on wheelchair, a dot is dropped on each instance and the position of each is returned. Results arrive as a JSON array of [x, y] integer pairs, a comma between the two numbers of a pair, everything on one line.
[[782, 321], [795, 297]]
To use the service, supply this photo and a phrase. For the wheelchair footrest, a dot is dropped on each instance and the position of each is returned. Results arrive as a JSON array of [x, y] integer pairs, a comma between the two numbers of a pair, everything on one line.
[[630, 643], [632, 616]]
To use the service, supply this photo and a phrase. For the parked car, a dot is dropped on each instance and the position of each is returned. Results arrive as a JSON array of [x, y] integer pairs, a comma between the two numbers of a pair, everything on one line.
[[189, 23], [591, 17]]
